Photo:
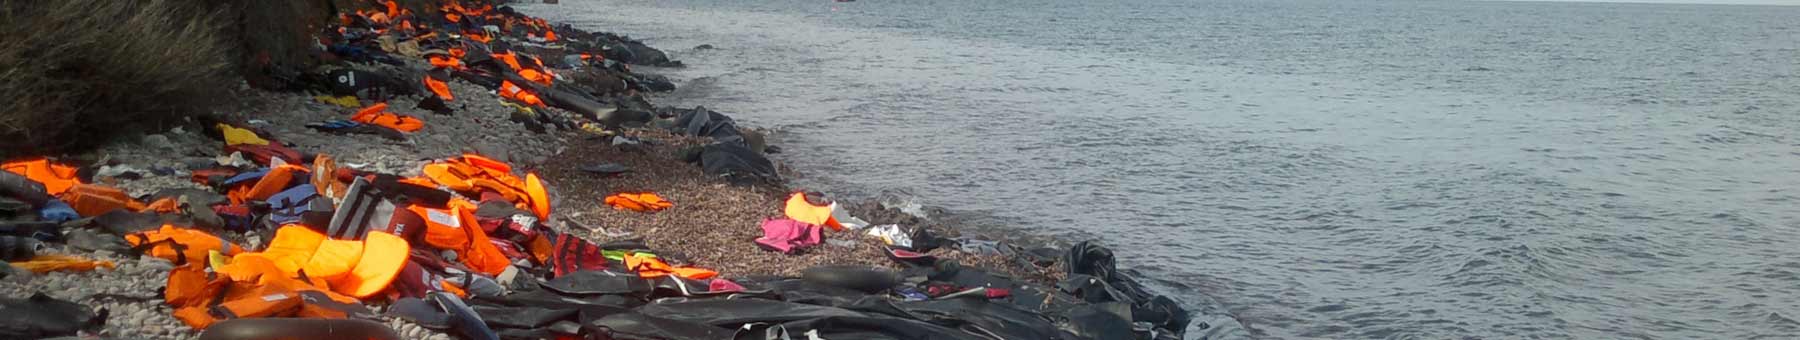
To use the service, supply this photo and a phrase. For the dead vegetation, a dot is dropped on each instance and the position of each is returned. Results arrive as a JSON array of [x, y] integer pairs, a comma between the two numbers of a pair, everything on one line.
[[76, 71]]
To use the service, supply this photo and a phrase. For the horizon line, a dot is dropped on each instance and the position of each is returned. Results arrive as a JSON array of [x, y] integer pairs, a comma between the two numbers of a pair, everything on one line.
[[1673, 2]]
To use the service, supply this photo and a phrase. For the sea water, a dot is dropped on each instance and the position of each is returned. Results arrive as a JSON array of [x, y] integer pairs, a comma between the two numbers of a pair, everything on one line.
[[1313, 169]]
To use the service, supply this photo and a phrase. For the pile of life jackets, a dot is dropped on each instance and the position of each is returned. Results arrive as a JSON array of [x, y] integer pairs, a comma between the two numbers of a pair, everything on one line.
[[469, 220], [468, 225], [338, 238], [341, 237]]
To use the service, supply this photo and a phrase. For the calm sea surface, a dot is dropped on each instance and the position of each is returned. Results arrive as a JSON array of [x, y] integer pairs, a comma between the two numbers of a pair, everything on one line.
[[1309, 169]]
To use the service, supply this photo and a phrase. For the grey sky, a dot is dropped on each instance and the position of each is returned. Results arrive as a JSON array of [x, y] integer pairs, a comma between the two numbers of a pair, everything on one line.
[[1740, 2]]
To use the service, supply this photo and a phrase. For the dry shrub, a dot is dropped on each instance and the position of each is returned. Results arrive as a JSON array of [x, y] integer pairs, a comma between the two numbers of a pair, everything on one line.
[[73, 72]]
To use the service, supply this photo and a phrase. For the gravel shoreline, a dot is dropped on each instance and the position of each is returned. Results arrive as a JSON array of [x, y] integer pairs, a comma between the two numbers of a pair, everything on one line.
[[712, 223]]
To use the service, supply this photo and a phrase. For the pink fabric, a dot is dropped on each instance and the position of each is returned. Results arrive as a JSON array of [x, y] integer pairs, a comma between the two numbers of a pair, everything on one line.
[[723, 285], [785, 235]]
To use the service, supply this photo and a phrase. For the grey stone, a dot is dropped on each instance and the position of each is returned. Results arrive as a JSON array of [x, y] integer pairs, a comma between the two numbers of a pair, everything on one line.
[[442, 139], [493, 150], [155, 264], [158, 142], [141, 317], [52, 284], [14, 274]]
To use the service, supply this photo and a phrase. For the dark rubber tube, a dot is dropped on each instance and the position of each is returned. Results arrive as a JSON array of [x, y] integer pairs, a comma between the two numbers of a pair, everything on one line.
[[298, 329], [862, 278]]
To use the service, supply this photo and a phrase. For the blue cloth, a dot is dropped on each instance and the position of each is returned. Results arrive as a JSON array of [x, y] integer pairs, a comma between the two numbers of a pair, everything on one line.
[[246, 177], [913, 294], [57, 211], [286, 206]]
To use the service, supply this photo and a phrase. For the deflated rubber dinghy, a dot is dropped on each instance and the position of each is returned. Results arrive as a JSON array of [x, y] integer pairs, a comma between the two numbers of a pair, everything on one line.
[[298, 329]]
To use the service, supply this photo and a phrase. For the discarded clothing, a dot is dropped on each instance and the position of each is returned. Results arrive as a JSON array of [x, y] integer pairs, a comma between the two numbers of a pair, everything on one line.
[[351, 127], [642, 202], [238, 136], [787, 235], [843, 218], [58, 211], [348, 102], [571, 254], [892, 235], [266, 154]]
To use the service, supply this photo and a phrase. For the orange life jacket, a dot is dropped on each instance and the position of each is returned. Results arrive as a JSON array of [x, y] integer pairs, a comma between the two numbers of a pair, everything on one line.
[[645, 201], [536, 76], [509, 90], [801, 210], [538, 195], [444, 61], [472, 174], [292, 248], [273, 182], [481, 255], [383, 256], [443, 227], [163, 206], [45, 263], [56, 178], [377, 114], [94, 199], [439, 87], [179, 244], [650, 268]]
